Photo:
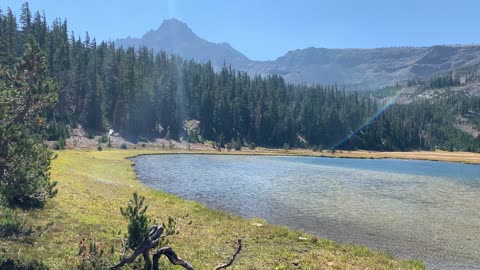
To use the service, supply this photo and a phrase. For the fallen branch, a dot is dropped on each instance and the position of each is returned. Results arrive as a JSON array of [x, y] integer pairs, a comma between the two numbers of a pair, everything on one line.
[[230, 262], [152, 242], [172, 257]]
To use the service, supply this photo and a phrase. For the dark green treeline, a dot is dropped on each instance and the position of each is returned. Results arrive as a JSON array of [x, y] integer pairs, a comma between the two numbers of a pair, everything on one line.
[[142, 94]]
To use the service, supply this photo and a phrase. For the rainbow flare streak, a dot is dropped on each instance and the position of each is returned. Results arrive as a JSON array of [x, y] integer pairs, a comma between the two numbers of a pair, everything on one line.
[[368, 122]]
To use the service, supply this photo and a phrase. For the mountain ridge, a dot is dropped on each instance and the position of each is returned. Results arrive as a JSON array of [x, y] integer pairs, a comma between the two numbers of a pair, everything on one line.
[[175, 37], [352, 68]]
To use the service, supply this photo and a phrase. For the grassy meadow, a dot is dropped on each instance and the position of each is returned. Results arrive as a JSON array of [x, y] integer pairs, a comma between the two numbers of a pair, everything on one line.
[[94, 184]]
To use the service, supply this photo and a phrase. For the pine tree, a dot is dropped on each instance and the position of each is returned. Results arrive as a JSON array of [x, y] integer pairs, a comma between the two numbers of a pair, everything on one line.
[[24, 160]]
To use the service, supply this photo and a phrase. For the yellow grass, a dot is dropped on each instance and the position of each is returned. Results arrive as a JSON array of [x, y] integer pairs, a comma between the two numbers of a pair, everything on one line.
[[93, 185], [463, 157]]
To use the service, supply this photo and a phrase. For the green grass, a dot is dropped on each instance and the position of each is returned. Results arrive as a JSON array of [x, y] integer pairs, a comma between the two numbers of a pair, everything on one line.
[[93, 185]]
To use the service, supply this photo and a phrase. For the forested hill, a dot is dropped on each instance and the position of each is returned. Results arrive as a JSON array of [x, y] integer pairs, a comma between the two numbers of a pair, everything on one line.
[[140, 93], [438, 107]]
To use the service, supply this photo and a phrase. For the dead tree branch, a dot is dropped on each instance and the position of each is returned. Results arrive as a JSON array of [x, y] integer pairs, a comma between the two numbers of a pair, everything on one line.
[[230, 262], [172, 257], [153, 241]]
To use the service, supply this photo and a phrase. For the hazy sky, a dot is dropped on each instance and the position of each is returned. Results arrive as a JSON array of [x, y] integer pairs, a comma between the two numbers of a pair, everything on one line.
[[265, 30]]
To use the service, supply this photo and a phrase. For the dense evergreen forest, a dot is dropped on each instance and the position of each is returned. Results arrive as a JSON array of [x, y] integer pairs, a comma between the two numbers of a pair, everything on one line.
[[425, 124], [141, 94]]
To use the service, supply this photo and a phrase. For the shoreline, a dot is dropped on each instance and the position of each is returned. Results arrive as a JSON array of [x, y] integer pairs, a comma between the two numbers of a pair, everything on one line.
[[437, 156], [183, 147]]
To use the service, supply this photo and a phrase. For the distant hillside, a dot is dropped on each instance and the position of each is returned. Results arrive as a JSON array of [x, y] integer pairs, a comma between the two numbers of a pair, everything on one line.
[[368, 68], [353, 68], [456, 95]]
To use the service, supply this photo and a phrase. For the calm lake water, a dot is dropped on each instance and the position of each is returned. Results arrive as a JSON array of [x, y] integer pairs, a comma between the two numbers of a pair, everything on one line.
[[411, 209]]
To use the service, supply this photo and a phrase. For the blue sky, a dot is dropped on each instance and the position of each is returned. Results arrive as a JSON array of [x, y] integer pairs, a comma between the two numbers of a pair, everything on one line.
[[265, 30]]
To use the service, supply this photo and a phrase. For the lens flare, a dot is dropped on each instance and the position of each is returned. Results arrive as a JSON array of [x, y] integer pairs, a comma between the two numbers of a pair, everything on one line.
[[369, 121]]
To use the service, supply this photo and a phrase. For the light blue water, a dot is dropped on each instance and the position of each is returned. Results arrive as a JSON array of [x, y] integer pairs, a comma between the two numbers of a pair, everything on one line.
[[411, 209]]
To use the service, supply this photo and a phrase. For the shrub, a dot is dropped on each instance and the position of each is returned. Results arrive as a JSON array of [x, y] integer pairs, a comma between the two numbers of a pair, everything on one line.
[[138, 222], [192, 129], [286, 146], [99, 148], [56, 130], [123, 146], [103, 139], [15, 264], [315, 148], [252, 146], [93, 256], [139, 229], [12, 223], [60, 144], [235, 144], [238, 144], [26, 178], [143, 145]]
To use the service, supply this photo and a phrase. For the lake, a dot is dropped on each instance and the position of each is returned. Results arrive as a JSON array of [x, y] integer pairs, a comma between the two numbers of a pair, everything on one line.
[[411, 209]]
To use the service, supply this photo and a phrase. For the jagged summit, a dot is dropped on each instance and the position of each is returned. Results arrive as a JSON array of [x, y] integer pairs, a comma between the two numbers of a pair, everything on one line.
[[174, 27], [174, 36]]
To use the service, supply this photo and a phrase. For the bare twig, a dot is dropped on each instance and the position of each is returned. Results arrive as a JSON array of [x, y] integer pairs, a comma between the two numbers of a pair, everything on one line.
[[124, 247], [230, 262]]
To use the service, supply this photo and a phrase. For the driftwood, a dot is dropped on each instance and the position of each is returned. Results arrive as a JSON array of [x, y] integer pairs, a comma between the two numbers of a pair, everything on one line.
[[152, 242]]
